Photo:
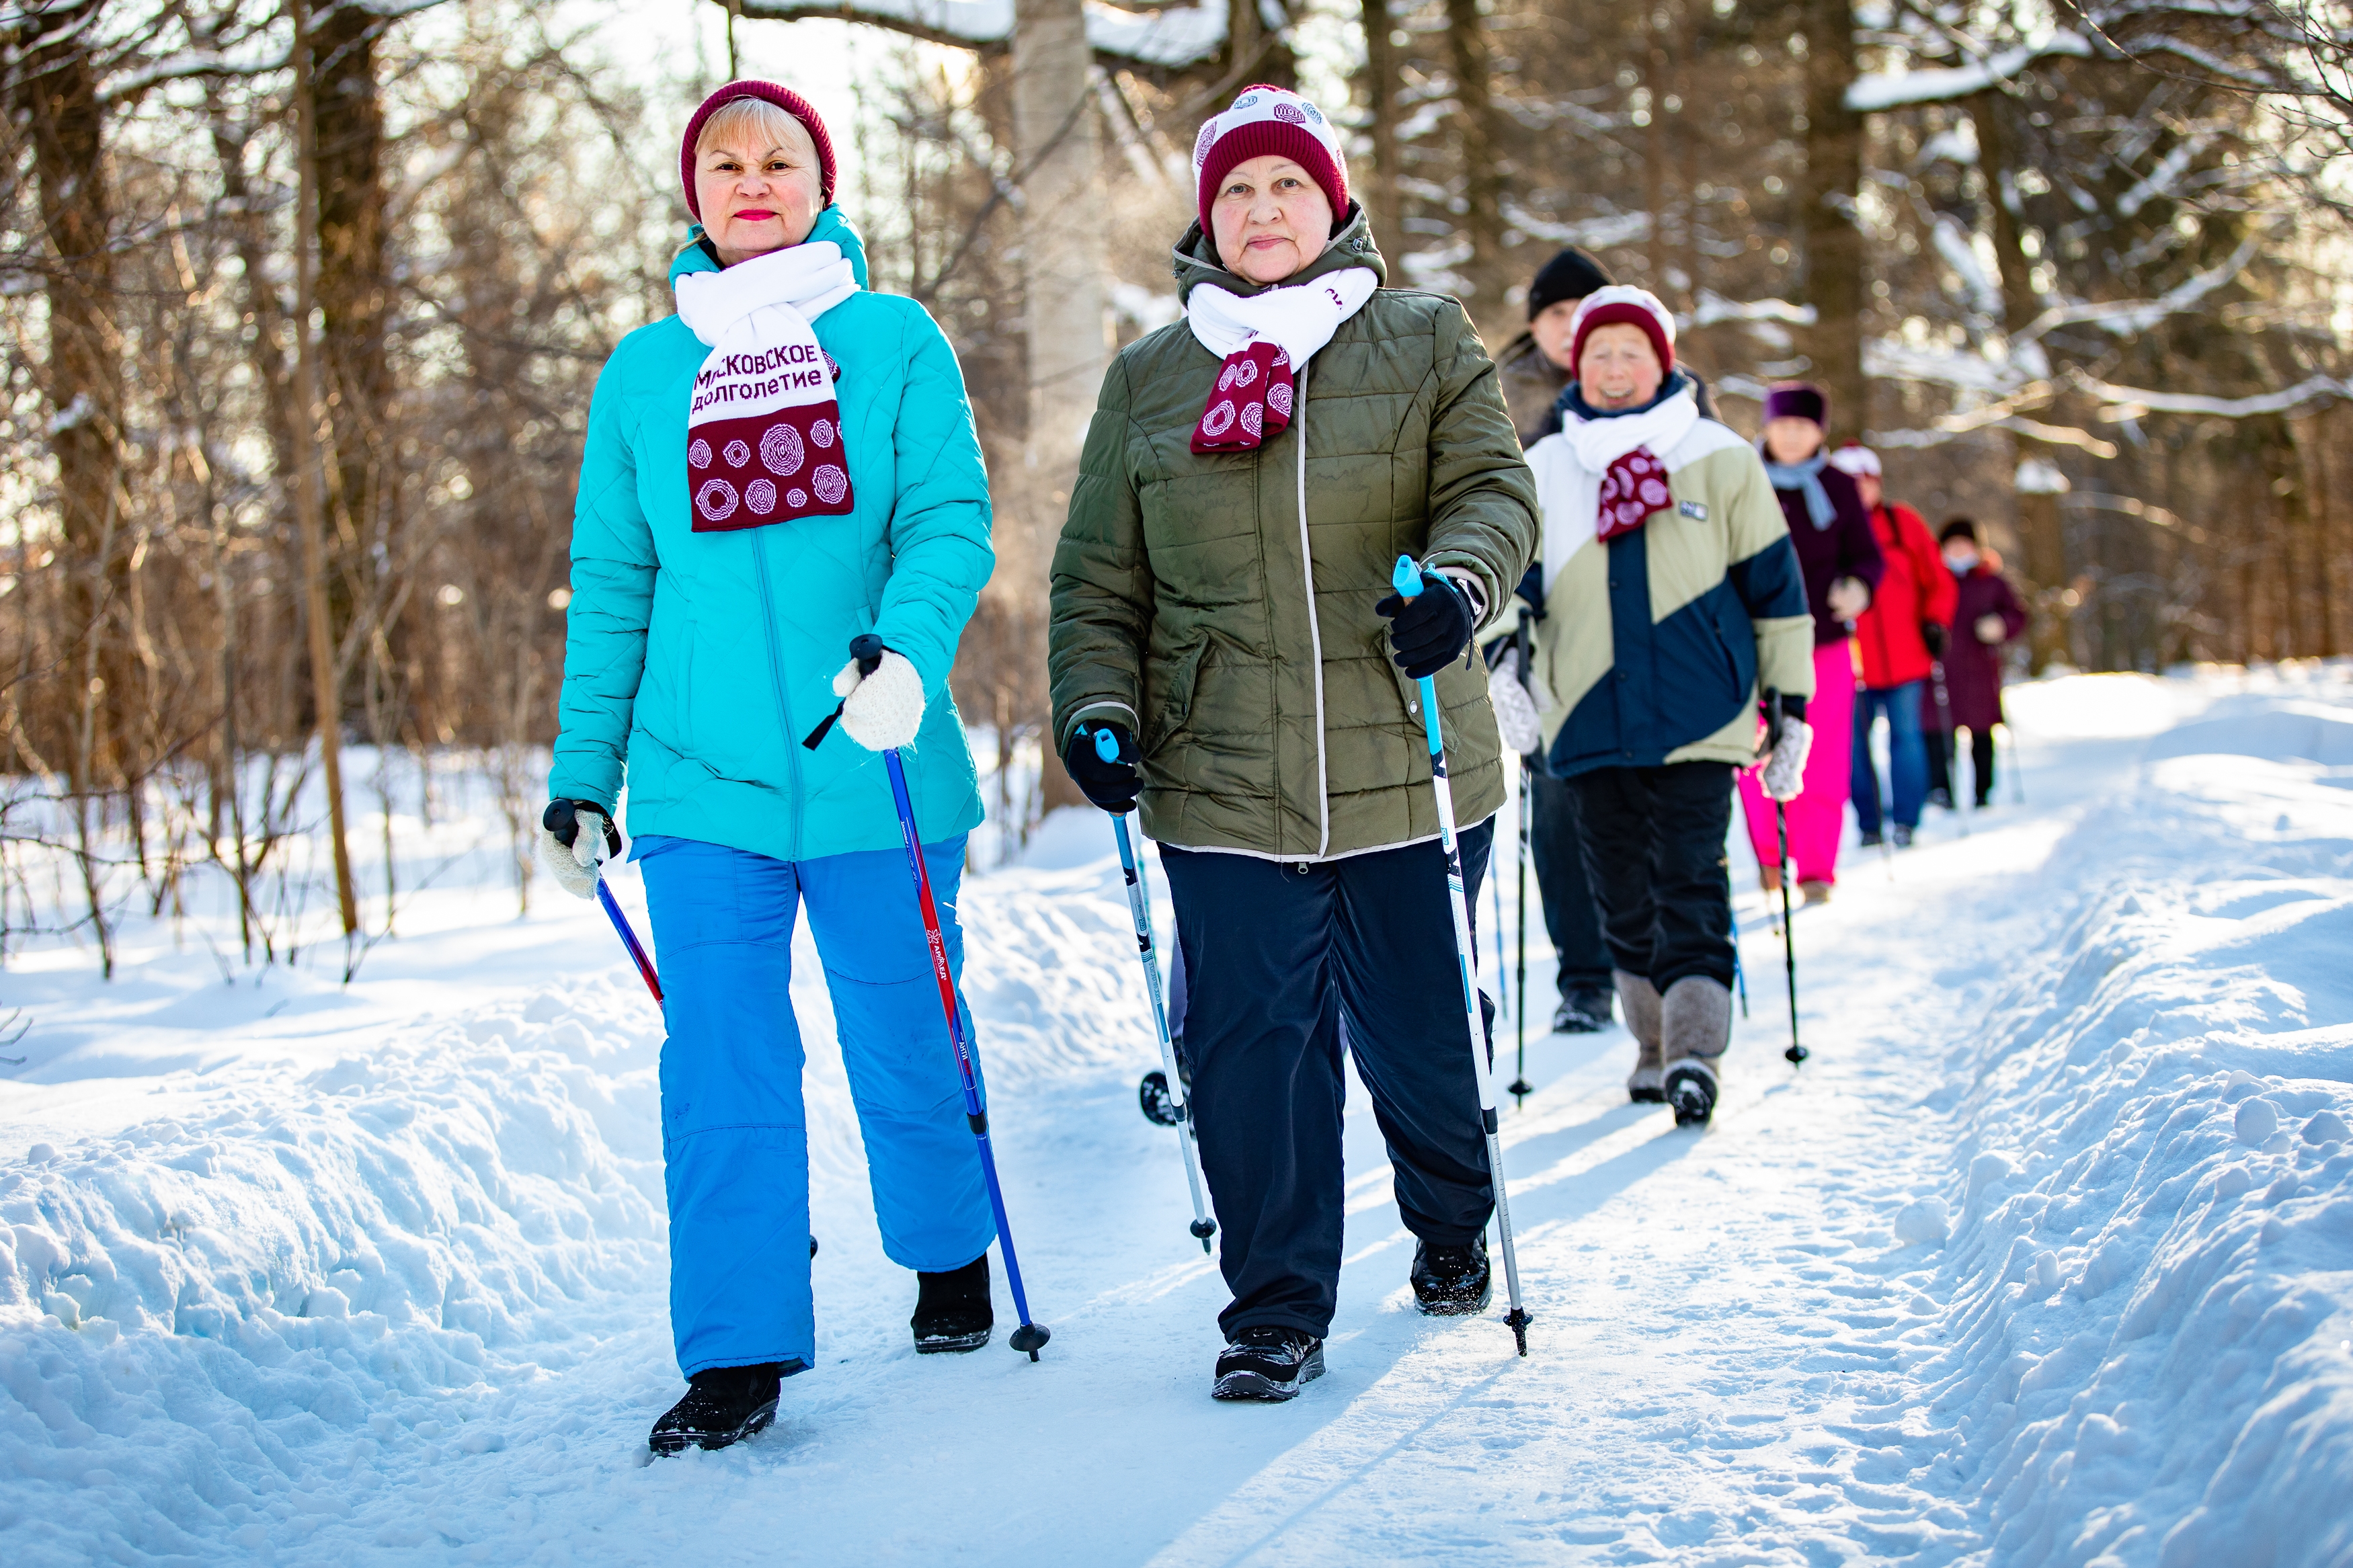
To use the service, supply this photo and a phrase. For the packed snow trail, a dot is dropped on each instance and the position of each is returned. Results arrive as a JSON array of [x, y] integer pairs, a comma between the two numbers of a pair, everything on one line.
[[2046, 1256]]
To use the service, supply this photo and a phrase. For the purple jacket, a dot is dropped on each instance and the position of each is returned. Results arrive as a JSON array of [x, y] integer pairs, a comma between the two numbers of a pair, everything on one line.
[[1845, 548], [1973, 669]]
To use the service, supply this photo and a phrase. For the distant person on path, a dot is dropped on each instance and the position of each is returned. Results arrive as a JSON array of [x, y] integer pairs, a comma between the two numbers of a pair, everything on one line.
[[1900, 636], [1843, 566], [786, 463], [1986, 617], [1675, 593], [1535, 370], [1221, 610]]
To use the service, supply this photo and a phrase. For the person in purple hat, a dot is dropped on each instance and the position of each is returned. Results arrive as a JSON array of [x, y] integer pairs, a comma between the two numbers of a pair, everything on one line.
[[1842, 565], [785, 465]]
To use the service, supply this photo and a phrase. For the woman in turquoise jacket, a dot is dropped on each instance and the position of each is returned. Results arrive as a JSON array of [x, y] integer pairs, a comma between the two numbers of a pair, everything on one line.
[[786, 464]]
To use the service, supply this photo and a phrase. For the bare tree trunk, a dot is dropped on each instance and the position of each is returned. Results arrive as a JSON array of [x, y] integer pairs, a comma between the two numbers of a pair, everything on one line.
[[326, 689], [1483, 174], [1383, 79], [2041, 532], [1830, 227], [57, 97], [1063, 268]]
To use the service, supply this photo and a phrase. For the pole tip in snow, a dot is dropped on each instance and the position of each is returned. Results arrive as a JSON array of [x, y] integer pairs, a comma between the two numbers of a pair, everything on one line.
[[1519, 1321], [1406, 578], [1032, 1337]]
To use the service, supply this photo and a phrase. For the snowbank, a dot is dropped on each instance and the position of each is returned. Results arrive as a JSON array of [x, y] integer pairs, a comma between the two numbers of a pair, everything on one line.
[[2146, 1357]]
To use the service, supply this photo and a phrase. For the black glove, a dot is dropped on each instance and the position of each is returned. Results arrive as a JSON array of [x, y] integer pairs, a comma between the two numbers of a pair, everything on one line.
[[1111, 786], [1934, 635], [561, 820], [1429, 630]]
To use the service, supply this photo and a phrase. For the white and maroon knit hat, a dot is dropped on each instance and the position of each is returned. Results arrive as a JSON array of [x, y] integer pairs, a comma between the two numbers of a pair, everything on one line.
[[784, 98], [1270, 120], [1635, 308], [1856, 461]]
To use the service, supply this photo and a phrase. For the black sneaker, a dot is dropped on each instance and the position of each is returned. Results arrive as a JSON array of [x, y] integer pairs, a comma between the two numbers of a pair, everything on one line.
[[1452, 1281], [1941, 797], [1902, 837], [952, 1309], [723, 1405], [1869, 841], [1268, 1363], [1583, 1012]]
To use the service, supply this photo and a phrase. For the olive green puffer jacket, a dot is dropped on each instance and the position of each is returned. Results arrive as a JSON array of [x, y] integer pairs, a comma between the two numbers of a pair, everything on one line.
[[1190, 602]]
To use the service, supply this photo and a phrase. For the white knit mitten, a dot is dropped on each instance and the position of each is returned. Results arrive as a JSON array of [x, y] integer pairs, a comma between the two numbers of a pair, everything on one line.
[[1516, 710], [1785, 769], [882, 711], [576, 867]]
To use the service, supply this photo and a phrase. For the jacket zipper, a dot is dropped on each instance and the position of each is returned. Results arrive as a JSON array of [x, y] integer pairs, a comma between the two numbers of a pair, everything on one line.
[[777, 679], [1314, 631]]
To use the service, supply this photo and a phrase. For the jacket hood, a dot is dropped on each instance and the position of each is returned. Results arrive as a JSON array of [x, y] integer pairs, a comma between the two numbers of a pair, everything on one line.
[[830, 225], [1196, 260]]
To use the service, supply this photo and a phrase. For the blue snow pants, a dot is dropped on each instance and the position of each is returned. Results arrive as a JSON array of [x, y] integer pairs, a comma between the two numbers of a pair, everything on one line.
[[1907, 755], [735, 1132]]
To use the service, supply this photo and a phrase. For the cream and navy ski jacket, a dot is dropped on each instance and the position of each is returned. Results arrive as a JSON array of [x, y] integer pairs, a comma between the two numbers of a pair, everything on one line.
[[1654, 647]]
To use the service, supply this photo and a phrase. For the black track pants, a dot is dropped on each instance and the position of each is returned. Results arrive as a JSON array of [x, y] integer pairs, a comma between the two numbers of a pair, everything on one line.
[[1571, 917], [1654, 850], [1275, 957]]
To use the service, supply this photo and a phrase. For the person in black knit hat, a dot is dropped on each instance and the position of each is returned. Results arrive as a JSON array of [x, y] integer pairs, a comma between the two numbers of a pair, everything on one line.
[[1533, 369]]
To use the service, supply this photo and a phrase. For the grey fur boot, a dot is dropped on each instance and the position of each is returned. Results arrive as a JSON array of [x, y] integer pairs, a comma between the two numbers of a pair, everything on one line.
[[1695, 1027], [1638, 1000]]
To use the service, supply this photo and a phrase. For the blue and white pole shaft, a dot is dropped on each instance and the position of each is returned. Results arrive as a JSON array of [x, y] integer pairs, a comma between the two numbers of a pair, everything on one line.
[[1407, 579], [1139, 904]]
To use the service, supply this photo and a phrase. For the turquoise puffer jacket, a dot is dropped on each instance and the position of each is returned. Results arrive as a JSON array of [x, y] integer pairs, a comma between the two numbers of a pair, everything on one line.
[[699, 661]]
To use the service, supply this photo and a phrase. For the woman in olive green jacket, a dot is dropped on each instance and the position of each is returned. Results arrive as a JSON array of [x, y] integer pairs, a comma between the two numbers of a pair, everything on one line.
[[1251, 477]]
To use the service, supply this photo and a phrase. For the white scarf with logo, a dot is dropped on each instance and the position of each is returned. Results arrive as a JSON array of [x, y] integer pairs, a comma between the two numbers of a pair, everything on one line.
[[1569, 467], [764, 429]]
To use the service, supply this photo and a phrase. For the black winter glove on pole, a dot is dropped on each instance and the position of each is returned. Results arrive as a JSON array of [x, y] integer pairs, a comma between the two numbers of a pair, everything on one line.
[[1934, 635], [1429, 630], [1111, 786]]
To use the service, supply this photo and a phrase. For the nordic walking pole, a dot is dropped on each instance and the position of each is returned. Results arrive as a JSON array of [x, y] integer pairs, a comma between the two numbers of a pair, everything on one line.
[[1030, 1336], [1139, 904], [628, 937], [1796, 1053], [1407, 579], [1944, 735], [1521, 1088]]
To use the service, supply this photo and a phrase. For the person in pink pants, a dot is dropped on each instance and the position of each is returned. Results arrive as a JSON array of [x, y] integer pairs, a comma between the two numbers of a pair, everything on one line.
[[1818, 816], [1839, 554]]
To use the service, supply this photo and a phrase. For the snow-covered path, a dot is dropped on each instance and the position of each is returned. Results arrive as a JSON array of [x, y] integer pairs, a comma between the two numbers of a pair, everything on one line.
[[2046, 1256]]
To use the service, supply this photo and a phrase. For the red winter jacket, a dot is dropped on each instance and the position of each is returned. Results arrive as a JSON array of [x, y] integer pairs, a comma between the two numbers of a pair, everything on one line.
[[1917, 589]]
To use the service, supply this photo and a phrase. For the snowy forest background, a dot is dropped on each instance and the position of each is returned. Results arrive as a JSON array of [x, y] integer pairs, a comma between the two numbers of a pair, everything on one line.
[[301, 307]]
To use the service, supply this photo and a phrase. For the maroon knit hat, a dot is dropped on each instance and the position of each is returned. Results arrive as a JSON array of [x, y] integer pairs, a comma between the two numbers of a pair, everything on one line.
[[784, 98], [1271, 121], [1624, 303], [1798, 400]]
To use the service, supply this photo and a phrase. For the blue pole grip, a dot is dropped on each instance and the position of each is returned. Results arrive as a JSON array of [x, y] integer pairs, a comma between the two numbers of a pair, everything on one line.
[[1106, 744], [1406, 578]]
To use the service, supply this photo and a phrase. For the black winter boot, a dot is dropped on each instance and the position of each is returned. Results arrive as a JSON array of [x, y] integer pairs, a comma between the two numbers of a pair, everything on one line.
[[723, 1405], [1452, 1281], [952, 1309], [1268, 1363]]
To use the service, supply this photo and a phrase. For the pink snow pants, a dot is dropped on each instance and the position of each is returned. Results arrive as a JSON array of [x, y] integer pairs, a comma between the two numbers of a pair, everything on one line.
[[1818, 816]]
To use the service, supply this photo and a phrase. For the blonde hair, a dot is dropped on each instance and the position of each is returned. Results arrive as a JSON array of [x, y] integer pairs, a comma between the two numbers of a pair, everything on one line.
[[755, 117]]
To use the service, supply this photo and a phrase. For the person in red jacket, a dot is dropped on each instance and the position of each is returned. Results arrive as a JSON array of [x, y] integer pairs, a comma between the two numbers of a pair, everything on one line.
[[1900, 638], [1986, 614]]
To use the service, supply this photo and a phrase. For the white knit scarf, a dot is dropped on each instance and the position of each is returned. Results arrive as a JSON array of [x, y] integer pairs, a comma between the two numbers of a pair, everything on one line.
[[1569, 467], [1265, 340], [763, 430]]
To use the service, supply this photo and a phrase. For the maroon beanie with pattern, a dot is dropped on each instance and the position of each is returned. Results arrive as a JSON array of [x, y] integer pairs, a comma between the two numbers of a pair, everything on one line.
[[784, 98], [1271, 121]]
